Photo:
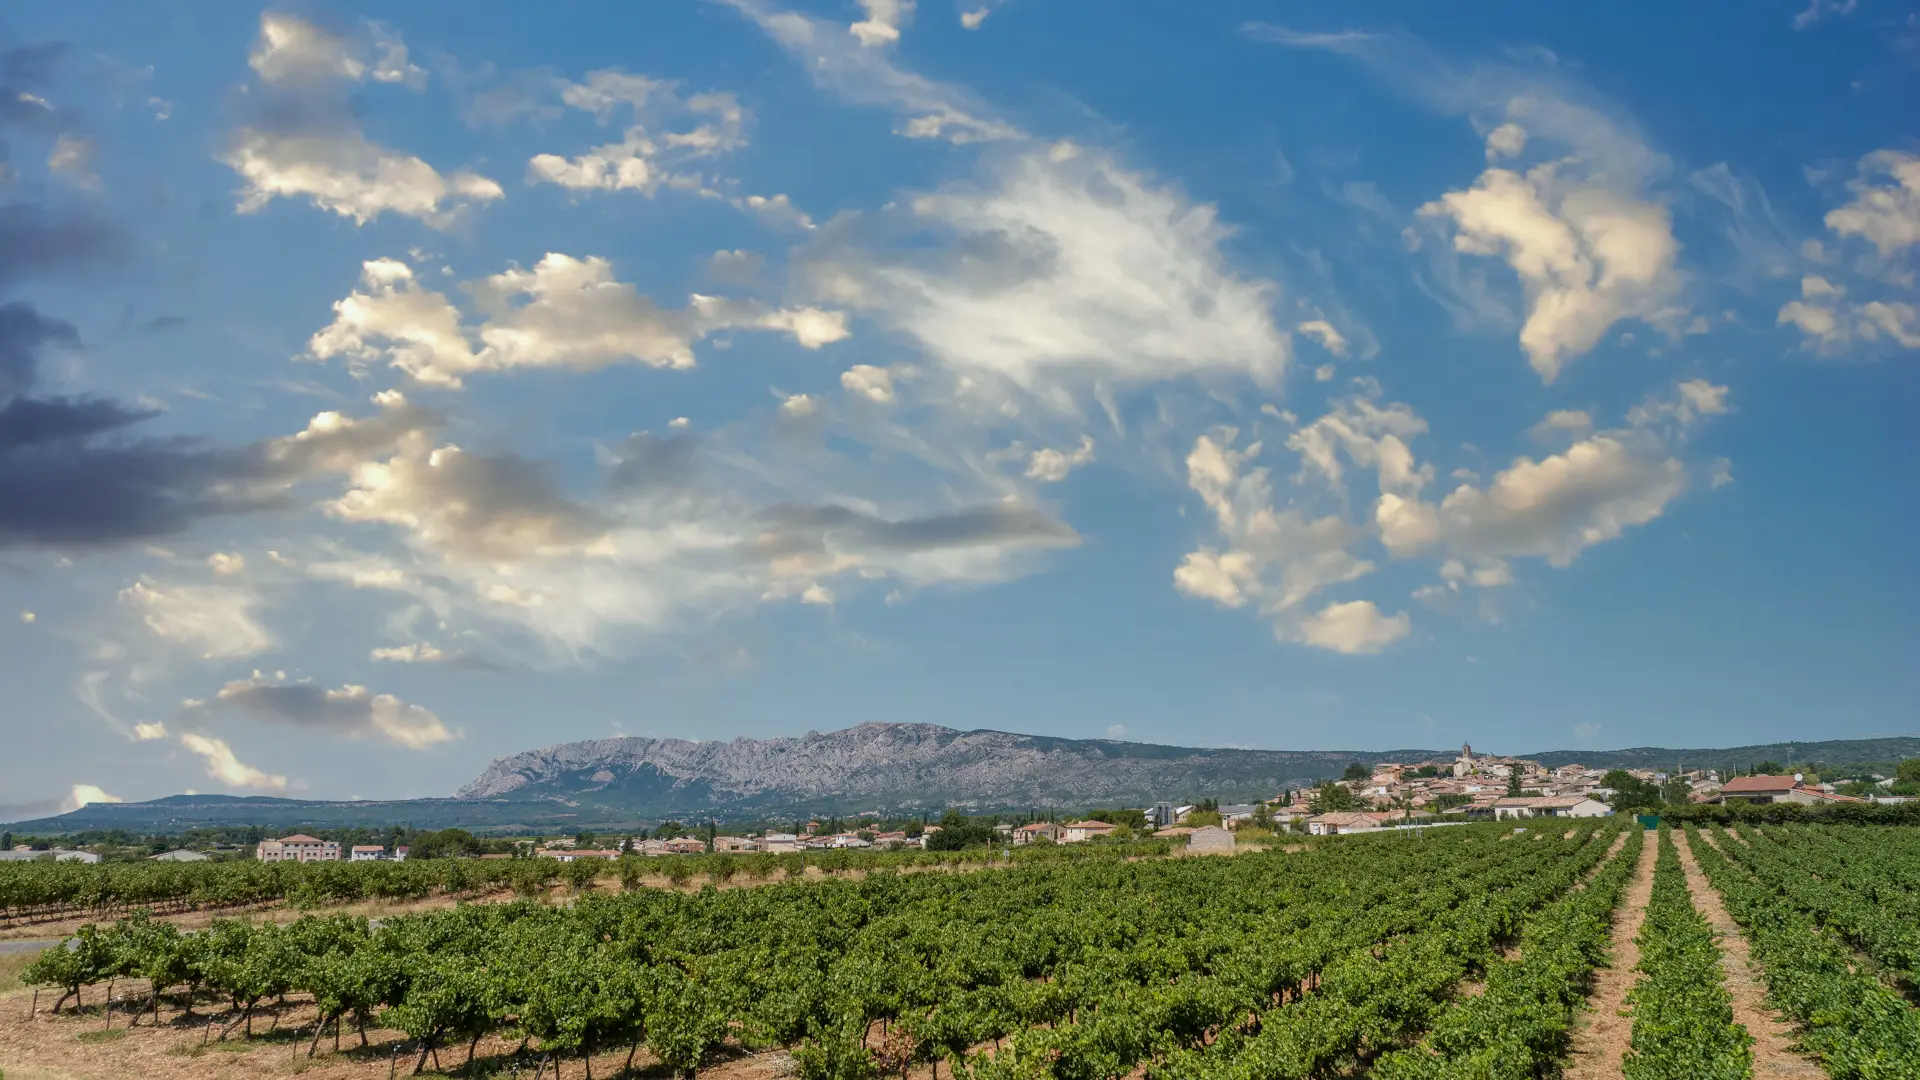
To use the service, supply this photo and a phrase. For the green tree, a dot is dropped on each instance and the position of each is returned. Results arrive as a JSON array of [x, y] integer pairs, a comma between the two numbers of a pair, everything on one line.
[[1908, 771], [1330, 798], [958, 832], [1630, 792], [1356, 771], [1767, 768], [1513, 783]]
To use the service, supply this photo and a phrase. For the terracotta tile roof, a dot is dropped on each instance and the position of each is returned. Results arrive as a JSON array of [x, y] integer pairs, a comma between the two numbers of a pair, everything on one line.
[[1749, 785]]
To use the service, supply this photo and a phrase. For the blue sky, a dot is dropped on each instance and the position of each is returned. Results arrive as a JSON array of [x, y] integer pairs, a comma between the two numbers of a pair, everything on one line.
[[386, 388]]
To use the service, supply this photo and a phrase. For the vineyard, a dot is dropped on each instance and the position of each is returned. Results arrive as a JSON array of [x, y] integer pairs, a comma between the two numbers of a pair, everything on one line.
[[1458, 953], [39, 891]]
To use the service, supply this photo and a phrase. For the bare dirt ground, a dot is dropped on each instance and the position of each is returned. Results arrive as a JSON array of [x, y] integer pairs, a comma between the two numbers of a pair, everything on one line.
[[1600, 1045], [1773, 1056]]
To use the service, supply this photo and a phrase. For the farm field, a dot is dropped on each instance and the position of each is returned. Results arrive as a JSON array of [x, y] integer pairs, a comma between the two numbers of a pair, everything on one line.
[[1463, 952]]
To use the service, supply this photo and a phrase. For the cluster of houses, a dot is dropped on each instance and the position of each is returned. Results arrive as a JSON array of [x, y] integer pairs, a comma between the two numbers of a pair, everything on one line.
[[303, 848]]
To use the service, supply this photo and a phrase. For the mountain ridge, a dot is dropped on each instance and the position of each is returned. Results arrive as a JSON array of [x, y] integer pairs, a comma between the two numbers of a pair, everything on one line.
[[904, 768]]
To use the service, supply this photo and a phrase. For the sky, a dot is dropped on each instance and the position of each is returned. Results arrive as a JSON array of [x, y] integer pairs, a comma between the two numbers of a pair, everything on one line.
[[388, 388]]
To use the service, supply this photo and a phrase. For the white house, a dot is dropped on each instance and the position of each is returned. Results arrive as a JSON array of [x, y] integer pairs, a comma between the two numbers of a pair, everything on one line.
[[178, 855], [780, 842], [298, 848], [1076, 831], [1569, 806], [367, 853]]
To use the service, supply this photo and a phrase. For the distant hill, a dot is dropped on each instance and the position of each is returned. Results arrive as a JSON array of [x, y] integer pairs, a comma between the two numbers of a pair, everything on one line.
[[610, 783]]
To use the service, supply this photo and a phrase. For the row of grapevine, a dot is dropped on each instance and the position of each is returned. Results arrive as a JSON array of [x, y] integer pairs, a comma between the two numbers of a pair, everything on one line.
[[30, 890], [1683, 1025], [1852, 896], [1522, 1023], [1857, 1027], [1069, 968]]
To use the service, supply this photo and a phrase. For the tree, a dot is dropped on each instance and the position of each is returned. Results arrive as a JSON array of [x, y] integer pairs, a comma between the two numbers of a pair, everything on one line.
[[1331, 797], [1908, 771], [1133, 819], [957, 831], [1767, 768], [1630, 792], [1676, 792], [1356, 771], [1513, 782]]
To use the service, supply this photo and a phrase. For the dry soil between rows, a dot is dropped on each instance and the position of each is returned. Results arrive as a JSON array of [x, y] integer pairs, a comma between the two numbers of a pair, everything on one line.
[[1601, 1044], [1773, 1056]]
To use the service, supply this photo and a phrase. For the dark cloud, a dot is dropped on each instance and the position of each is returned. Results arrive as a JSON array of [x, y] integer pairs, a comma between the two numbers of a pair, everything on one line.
[[349, 712], [796, 529], [164, 322], [37, 240], [649, 462], [24, 332], [35, 421]]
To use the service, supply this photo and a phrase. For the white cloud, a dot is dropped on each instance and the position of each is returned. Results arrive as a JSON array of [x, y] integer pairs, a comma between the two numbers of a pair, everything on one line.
[[837, 60], [149, 732], [1830, 322], [1050, 466], [350, 711], [883, 22], [1274, 558], [1561, 422], [799, 406], [1354, 627], [1820, 9], [972, 19], [86, 795], [1562, 504], [775, 210], [1116, 731], [565, 312], [72, 156], [227, 564], [1371, 437], [1589, 249], [28, 617], [1062, 269], [291, 48], [1507, 140], [1693, 400], [411, 653], [873, 383], [650, 154], [218, 621], [1885, 209], [817, 594], [1323, 332], [1407, 525], [307, 143], [344, 172], [223, 766]]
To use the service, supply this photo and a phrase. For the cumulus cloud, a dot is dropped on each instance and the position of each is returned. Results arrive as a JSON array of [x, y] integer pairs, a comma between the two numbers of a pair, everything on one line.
[[1354, 627], [227, 564], [306, 142], [349, 712], [1061, 268], [872, 383], [883, 22], [1885, 208], [1050, 466], [412, 653], [1273, 559], [650, 154], [223, 766], [1692, 401], [1323, 332], [492, 506], [149, 732], [1830, 322], [86, 795], [565, 312], [217, 621], [1367, 435], [799, 406], [1590, 249], [1564, 503], [72, 156]]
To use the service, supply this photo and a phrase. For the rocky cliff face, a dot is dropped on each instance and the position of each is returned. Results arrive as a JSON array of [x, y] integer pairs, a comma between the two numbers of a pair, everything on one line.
[[892, 766]]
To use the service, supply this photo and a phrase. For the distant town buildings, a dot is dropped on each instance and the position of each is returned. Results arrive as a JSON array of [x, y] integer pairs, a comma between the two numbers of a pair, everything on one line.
[[298, 848]]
